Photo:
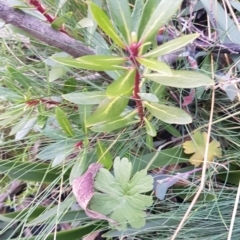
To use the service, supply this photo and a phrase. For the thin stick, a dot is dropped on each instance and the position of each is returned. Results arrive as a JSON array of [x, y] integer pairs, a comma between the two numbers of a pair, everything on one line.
[[234, 212], [205, 162], [233, 14]]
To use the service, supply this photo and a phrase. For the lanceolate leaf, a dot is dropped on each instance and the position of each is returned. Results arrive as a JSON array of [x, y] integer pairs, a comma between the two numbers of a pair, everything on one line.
[[64, 122], [107, 110], [123, 85], [121, 15], [158, 66], [136, 15], [115, 123], [171, 46], [93, 62], [104, 23], [168, 114], [84, 112], [181, 79], [85, 98], [104, 156], [161, 16], [147, 12], [58, 22], [150, 129]]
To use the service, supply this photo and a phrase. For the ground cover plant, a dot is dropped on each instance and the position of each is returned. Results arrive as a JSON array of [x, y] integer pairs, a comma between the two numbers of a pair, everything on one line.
[[119, 119]]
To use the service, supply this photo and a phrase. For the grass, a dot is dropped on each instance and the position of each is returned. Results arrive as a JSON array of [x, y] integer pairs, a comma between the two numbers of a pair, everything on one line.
[[51, 203]]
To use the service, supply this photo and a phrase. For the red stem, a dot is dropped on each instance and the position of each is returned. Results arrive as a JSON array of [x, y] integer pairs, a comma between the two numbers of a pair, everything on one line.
[[133, 51], [136, 96], [43, 10]]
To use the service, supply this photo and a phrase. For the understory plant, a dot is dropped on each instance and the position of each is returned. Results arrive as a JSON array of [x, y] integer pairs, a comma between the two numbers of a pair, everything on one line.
[[89, 126]]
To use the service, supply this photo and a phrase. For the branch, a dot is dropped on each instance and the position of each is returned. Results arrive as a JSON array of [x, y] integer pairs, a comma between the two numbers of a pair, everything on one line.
[[43, 31]]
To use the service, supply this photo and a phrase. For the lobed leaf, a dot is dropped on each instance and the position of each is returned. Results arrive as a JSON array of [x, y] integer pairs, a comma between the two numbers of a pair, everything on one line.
[[197, 147], [123, 194]]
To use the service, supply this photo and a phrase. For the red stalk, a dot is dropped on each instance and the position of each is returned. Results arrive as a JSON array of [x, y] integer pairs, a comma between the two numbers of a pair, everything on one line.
[[136, 96], [43, 10], [133, 50]]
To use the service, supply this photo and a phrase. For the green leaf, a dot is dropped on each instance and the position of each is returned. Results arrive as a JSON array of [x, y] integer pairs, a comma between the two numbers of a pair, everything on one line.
[[147, 12], [58, 22], [79, 166], [70, 85], [85, 98], [149, 142], [22, 79], [26, 128], [158, 66], [51, 151], [105, 24], [161, 15], [168, 114], [123, 85], [115, 123], [165, 157], [30, 171], [121, 16], [150, 129], [104, 156], [21, 123], [123, 193], [172, 130], [154, 223], [86, 23], [84, 112], [73, 234], [108, 109], [93, 62], [171, 46], [136, 14], [181, 79], [63, 121], [150, 97], [9, 95], [55, 73]]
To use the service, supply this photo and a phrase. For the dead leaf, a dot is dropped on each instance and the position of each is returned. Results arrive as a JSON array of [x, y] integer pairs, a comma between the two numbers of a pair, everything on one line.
[[83, 189], [189, 99], [198, 145]]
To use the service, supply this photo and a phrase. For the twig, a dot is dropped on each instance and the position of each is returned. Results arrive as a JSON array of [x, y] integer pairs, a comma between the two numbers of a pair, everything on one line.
[[234, 212], [43, 31]]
